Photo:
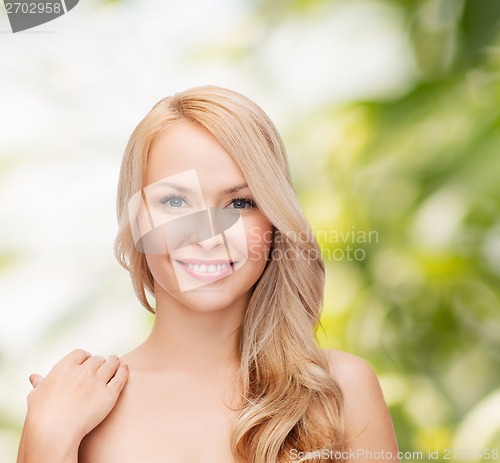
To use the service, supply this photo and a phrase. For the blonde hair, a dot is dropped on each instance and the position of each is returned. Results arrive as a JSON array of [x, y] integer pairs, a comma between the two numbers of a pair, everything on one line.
[[291, 403]]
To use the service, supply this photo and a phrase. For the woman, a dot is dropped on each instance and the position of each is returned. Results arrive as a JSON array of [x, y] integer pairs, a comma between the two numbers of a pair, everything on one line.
[[210, 226]]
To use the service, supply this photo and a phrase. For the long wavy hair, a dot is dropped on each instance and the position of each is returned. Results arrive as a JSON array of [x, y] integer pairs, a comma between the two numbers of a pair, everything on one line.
[[291, 403]]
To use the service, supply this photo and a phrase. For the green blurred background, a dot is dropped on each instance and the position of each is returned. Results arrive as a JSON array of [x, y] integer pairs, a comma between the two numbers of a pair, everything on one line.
[[390, 112]]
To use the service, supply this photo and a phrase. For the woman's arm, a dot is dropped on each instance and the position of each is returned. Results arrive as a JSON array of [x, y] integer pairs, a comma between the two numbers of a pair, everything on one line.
[[369, 426], [77, 394]]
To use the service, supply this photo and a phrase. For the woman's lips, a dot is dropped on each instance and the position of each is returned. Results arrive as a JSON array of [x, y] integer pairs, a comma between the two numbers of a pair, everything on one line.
[[208, 270]]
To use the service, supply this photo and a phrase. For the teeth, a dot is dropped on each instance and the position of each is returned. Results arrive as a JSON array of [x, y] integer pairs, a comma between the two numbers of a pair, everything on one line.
[[208, 268]]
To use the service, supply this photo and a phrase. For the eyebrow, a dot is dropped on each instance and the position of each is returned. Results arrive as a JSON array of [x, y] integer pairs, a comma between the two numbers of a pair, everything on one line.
[[184, 189], [234, 189], [176, 186]]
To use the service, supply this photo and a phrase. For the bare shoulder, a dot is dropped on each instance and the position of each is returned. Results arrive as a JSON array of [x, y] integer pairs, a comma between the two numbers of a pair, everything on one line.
[[350, 369], [369, 424]]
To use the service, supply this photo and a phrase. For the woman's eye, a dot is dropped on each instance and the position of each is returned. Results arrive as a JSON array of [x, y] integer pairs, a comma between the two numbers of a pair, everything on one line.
[[173, 201], [242, 203]]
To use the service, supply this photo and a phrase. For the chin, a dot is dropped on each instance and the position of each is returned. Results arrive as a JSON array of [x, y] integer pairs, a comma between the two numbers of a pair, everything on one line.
[[207, 299]]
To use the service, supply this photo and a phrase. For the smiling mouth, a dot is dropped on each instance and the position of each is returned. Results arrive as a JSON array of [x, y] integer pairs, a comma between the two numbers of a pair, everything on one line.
[[209, 268]]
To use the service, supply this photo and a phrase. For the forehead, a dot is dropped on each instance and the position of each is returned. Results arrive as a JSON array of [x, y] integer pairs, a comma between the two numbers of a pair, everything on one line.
[[186, 146]]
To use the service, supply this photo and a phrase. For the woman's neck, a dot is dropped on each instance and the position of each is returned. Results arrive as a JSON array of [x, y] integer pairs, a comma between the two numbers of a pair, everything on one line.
[[194, 338]]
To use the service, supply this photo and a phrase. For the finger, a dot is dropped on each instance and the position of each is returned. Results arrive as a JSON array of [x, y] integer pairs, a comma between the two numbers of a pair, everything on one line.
[[118, 381], [94, 362], [108, 368], [36, 380], [78, 356]]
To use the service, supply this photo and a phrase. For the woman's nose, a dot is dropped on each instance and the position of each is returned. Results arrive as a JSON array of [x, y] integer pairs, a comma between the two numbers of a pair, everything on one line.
[[211, 243]]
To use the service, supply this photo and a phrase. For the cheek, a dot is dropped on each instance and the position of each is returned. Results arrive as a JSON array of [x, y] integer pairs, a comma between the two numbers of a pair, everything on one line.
[[162, 271], [259, 238]]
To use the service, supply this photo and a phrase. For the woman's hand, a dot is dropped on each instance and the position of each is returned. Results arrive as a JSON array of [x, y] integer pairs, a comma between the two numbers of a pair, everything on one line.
[[76, 395]]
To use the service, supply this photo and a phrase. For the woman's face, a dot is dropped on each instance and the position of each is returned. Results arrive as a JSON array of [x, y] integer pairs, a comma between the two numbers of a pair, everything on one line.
[[205, 241]]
